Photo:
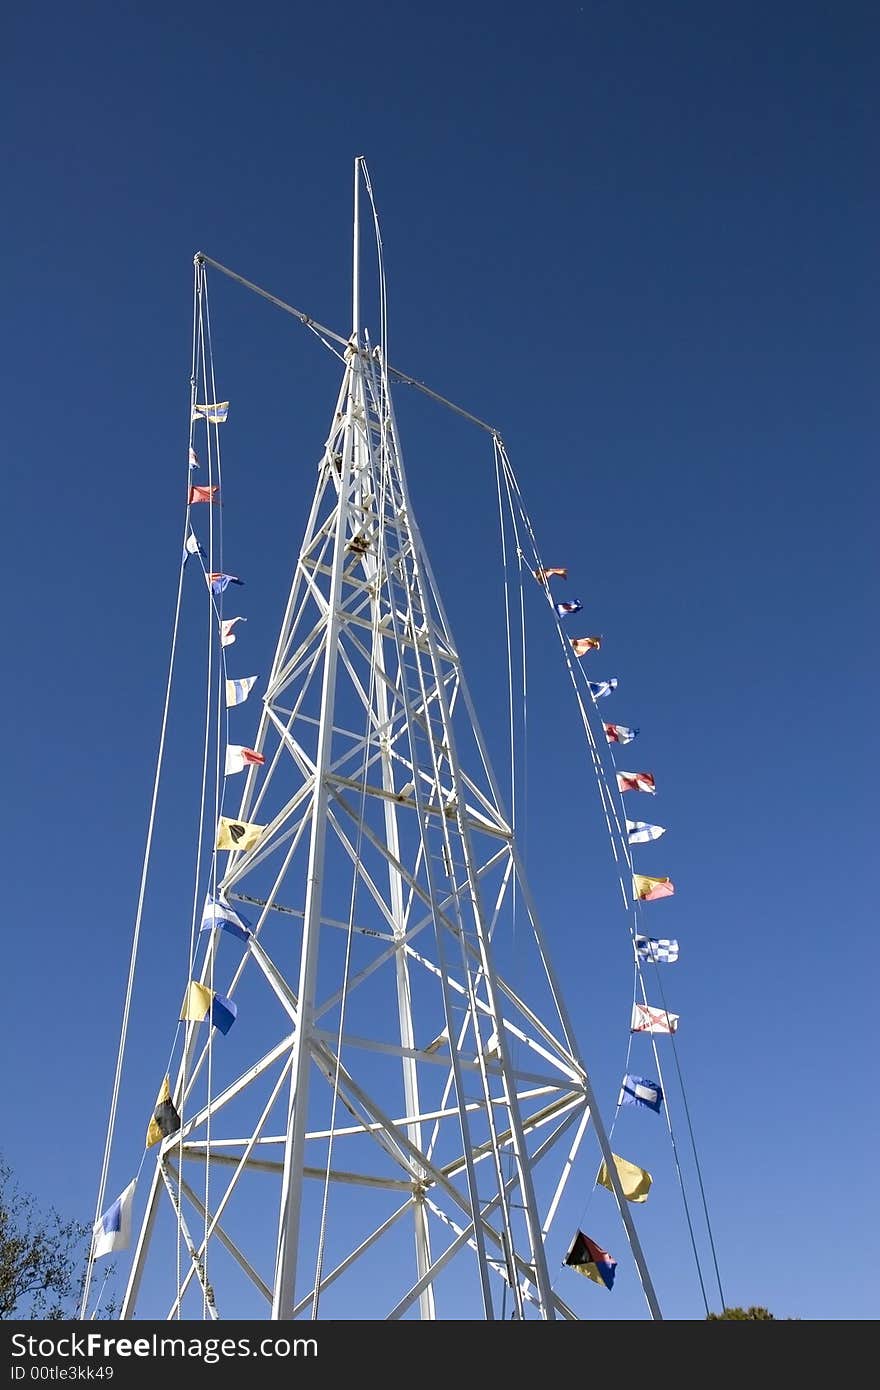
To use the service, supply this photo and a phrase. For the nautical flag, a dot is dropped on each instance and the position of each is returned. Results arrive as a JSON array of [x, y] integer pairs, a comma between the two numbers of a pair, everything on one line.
[[600, 688], [639, 832], [636, 782], [223, 1013], [238, 834], [214, 414], [662, 950], [237, 691], [203, 494], [648, 1020], [650, 889], [196, 1003], [590, 1259], [564, 608], [193, 459], [220, 582], [112, 1231], [227, 636], [543, 575], [199, 1002], [635, 1182], [638, 1090], [238, 758], [619, 733], [165, 1119], [192, 546], [582, 645], [220, 914]]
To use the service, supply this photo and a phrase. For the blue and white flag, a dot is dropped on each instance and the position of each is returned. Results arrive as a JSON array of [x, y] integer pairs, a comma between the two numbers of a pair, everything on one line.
[[237, 691], [191, 546], [639, 832], [220, 914], [660, 950], [193, 459], [563, 609], [112, 1231], [638, 1090], [600, 688]]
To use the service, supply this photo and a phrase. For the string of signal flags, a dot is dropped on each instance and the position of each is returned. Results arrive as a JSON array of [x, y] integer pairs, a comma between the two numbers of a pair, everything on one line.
[[112, 1230], [584, 1254]]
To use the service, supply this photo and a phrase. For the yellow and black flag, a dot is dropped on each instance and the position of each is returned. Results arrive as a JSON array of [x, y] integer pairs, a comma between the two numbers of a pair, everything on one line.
[[165, 1119], [238, 834]]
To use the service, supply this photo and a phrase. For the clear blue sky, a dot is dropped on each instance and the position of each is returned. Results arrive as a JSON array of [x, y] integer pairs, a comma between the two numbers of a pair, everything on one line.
[[642, 240]]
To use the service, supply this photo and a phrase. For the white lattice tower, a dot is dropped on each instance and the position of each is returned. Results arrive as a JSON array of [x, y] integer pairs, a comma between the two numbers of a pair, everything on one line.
[[399, 1088]]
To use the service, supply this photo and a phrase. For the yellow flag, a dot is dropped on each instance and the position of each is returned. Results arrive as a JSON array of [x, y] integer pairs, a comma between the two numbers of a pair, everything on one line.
[[196, 1003], [237, 834], [650, 888], [635, 1181], [165, 1119]]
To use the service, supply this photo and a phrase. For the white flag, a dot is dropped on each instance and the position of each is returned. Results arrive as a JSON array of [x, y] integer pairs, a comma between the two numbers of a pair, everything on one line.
[[112, 1231], [227, 636], [648, 1020], [237, 691]]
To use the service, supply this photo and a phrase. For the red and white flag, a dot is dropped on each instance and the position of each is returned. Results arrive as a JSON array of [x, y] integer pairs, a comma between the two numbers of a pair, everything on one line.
[[238, 758], [648, 1020], [619, 733], [227, 636], [636, 782]]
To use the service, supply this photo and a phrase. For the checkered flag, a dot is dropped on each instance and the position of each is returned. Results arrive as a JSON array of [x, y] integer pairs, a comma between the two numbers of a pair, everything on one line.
[[660, 951]]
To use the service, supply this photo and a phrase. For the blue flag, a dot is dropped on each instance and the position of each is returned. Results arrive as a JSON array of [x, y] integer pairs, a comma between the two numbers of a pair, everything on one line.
[[223, 1013], [220, 914], [563, 609], [638, 1090], [220, 582]]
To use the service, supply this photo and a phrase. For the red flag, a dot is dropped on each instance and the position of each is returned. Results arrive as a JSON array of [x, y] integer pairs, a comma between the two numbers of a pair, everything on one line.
[[543, 575], [636, 782], [203, 494]]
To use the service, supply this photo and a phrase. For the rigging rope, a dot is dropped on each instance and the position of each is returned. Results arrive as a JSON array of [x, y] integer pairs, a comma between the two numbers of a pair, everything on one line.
[[217, 616], [138, 918]]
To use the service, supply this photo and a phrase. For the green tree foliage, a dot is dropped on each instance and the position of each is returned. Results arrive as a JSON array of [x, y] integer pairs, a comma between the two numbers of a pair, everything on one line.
[[42, 1256], [745, 1315]]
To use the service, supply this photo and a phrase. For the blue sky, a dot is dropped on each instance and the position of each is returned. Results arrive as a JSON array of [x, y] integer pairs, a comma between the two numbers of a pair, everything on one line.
[[640, 240]]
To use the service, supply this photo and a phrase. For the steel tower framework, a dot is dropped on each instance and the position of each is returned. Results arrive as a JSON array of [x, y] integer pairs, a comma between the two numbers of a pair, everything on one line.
[[414, 1107]]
